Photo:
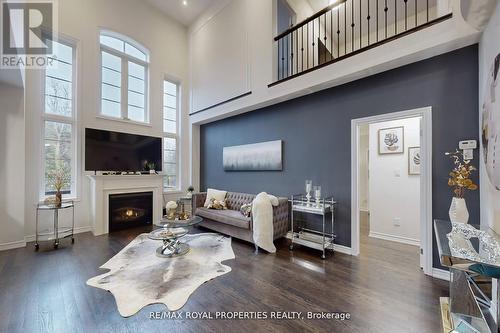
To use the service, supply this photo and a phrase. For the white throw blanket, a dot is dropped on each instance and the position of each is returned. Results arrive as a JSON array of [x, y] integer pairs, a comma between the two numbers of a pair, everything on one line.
[[262, 215]]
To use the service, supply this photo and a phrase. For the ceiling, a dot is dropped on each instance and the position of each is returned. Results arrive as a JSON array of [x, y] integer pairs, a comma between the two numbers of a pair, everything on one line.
[[185, 14]]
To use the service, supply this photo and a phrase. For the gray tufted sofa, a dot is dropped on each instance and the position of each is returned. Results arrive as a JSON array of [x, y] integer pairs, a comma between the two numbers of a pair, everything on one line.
[[231, 222]]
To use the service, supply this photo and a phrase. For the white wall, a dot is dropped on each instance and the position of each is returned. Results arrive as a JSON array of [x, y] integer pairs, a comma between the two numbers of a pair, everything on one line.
[[394, 194], [12, 167], [364, 149], [81, 21], [489, 47]]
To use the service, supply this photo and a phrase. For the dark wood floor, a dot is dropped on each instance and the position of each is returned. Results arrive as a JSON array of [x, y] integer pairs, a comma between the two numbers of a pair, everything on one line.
[[383, 290]]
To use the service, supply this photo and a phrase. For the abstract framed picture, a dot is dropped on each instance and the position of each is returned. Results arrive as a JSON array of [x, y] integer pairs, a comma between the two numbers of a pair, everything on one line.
[[391, 140], [414, 160], [263, 156]]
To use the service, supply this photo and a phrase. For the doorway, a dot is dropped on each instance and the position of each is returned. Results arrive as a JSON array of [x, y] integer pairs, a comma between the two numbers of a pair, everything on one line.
[[391, 183]]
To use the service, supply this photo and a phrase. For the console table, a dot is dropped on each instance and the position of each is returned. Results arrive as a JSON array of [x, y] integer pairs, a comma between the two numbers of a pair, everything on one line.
[[316, 239], [58, 232], [473, 257]]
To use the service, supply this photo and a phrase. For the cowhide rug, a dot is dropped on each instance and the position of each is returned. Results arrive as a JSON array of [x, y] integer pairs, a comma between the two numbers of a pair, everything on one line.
[[138, 278]]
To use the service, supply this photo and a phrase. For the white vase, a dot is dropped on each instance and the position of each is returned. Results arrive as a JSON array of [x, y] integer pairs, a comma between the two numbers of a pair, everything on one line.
[[458, 211]]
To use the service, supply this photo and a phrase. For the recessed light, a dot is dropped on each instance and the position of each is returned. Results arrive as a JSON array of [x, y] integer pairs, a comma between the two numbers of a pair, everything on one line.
[[184, 2]]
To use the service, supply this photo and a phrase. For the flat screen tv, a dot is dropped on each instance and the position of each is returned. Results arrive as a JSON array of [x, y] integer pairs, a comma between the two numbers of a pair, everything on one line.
[[120, 152]]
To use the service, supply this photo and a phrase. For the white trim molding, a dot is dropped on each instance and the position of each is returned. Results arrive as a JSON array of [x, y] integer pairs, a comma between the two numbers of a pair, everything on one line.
[[425, 179], [441, 274], [342, 249], [12, 245], [393, 238]]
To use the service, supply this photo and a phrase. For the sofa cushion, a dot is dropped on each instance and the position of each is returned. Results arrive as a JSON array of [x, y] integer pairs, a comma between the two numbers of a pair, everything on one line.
[[214, 194], [229, 217]]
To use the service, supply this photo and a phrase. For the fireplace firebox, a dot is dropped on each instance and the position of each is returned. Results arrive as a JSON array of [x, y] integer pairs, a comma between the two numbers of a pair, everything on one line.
[[129, 210]]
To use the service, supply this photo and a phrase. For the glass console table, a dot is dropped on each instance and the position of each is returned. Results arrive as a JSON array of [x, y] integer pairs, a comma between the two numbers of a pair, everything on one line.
[[316, 239], [170, 233], [58, 232], [473, 257]]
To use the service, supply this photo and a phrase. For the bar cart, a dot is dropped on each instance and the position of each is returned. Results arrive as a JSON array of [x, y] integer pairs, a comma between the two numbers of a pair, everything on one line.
[[316, 239], [58, 232]]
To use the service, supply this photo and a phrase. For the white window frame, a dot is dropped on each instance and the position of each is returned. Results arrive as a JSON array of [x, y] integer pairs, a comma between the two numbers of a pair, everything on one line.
[[169, 135], [125, 58], [73, 121]]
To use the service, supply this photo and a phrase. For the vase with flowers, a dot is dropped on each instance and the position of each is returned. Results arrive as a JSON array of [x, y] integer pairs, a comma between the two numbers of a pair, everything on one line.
[[59, 180], [460, 181]]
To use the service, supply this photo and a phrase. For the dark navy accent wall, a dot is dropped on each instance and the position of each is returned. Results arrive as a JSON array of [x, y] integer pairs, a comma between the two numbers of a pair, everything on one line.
[[316, 132]]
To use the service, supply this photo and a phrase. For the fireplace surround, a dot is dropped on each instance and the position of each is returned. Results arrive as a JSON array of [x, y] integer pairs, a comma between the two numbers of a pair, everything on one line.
[[104, 186]]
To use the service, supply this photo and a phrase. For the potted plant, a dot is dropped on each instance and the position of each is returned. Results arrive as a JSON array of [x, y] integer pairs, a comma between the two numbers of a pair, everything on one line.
[[460, 180], [190, 191], [151, 167]]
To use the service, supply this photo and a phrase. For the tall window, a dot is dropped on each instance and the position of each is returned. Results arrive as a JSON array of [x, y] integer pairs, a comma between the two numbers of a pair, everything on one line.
[[170, 135], [124, 79], [59, 122]]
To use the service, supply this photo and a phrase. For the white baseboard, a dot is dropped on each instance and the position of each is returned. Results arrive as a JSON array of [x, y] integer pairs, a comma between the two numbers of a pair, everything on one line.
[[342, 249], [12, 245], [399, 239], [441, 274], [78, 230]]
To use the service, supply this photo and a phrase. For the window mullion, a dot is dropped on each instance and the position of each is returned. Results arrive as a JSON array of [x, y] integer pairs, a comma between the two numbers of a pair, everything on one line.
[[124, 89]]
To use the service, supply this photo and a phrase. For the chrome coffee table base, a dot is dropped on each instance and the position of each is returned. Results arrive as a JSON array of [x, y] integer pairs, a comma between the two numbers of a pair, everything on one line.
[[172, 248], [170, 233]]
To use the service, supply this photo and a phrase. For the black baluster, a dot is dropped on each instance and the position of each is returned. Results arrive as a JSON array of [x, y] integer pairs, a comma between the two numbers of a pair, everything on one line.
[[297, 50], [325, 38], [282, 57], [385, 10], [360, 27], [377, 22], [307, 45], [345, 28], [291, 53], [302, 45], [313, 41], [352, 26], [427, 10], [338, 32], [395, 17], [319, 37], [331, 34], [416, 14], [406, 15], [287, 54], [368, 19]]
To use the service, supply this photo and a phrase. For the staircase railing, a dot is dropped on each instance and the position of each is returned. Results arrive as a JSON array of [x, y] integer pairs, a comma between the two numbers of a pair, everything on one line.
[[346, 28]]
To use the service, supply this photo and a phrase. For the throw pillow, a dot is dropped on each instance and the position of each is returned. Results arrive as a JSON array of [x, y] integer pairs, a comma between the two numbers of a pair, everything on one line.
[[246, 209], [216, 204], [214, 194]]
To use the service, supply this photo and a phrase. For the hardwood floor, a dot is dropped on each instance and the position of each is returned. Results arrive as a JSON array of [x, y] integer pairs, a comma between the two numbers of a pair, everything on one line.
[[383, 290]]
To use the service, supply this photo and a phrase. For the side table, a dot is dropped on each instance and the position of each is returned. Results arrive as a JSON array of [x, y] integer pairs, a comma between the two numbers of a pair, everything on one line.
[[58, 232]]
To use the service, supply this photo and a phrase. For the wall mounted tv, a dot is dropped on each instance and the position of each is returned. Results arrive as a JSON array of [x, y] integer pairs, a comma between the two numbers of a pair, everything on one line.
[[120, 152]]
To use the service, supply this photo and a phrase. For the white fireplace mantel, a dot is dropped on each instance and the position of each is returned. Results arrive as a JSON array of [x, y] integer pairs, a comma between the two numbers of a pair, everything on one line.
[[101, 187]]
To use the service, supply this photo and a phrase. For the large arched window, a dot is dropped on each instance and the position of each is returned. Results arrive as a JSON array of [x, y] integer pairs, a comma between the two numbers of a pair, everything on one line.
[[124, 78]]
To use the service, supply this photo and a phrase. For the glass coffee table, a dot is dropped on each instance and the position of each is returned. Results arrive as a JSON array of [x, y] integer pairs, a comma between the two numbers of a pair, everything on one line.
[[170, 233]]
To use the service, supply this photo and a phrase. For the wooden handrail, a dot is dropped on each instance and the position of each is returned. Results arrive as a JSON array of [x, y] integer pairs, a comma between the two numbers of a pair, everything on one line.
[[309, 19]]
